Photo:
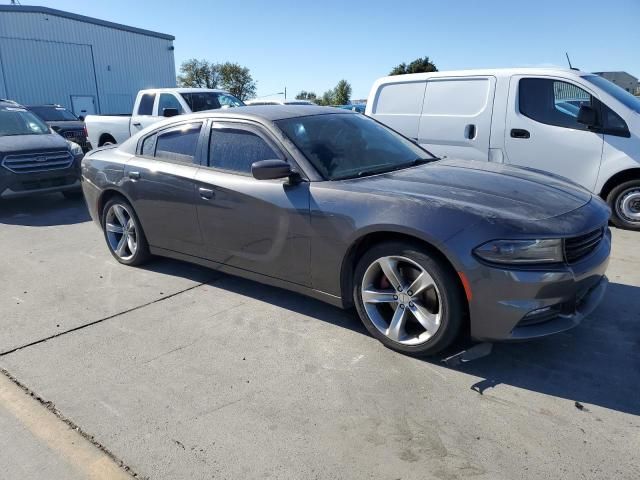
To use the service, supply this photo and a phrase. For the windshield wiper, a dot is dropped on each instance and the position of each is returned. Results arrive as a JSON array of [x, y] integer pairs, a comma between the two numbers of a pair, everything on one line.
[[390, 168]]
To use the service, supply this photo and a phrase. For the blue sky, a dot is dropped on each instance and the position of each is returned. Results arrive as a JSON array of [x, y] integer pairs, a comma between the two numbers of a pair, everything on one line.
[[312, 44]]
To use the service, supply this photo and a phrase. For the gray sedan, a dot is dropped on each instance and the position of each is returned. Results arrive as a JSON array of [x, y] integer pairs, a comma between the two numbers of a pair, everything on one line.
[[334, 205]]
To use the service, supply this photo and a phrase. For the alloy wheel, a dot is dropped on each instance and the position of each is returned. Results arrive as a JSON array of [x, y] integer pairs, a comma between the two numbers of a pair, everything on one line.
[[402, 300], [121, 230]]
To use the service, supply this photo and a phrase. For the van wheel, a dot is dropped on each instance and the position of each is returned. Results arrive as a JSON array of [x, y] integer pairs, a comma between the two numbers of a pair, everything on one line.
[[408, 299], [624, 201], [123, 233]]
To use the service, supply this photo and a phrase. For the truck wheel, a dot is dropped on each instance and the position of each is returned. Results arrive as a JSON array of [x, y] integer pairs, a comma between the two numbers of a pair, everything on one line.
[[408, 299], [624, 201]]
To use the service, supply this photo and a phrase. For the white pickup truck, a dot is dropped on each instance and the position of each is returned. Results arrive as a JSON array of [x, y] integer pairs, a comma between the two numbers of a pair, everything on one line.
[[152, 106]]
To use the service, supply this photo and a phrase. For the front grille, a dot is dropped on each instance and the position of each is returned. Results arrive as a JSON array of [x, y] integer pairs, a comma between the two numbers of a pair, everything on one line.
[[38, 162], [579, 247]]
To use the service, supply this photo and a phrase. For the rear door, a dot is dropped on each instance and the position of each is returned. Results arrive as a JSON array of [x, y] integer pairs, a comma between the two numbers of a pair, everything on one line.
[[143, 116], [542, 130], [257, 225], [160, 181], [456, 117]]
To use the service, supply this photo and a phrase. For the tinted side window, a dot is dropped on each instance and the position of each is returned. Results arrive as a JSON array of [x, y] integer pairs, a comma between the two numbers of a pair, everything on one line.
[[552, 102], [236, 149], [149, 145], [146, 104], [178, 144], [167, 100]]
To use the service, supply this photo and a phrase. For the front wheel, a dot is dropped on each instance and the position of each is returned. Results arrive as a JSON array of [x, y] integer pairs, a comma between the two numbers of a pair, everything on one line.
[[624, 201], [123, 233], [408, 298]]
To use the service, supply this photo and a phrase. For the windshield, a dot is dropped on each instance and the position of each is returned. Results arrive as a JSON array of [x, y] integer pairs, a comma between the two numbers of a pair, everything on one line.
[[54, 114], [199, 101], [347, 145], [615, 91], [17, 121]]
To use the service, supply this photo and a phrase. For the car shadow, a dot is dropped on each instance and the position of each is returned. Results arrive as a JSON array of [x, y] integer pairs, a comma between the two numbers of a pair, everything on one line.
[[596, 363], [43, 211]]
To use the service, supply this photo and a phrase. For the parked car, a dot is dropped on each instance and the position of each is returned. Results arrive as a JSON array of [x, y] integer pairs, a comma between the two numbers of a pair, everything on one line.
[[154, 105], [33, 158], [567, 122], [334, 205], [63, 122], [279, 102], [356, 107]]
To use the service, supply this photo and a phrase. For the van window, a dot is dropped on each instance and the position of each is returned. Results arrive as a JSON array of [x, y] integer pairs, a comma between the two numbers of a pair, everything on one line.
[[405, 97], [146, 104], [459, 97], [552, 102]]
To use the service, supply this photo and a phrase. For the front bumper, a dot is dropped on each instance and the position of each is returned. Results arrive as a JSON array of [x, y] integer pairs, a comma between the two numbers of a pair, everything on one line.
[[14, 185], [502, 298]]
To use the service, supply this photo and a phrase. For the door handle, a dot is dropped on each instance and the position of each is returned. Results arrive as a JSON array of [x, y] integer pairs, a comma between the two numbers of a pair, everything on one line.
[[206, 193], [520, 133], [136, 124], [134, 175], [470, 131]]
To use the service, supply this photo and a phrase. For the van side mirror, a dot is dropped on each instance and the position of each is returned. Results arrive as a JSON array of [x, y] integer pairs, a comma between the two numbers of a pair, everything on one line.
[[170, 112], [587, 116], [270, 169]]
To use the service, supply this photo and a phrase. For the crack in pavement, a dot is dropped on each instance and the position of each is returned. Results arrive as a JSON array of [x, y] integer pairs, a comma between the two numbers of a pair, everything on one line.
[[109, 317]]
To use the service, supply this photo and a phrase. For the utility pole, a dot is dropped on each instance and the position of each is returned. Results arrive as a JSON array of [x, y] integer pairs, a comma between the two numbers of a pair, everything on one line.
[[285, 93]]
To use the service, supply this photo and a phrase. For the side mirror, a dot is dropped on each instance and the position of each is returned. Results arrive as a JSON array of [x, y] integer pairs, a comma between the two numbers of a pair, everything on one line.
[[587, 116], [170, 112], [81, 118], [270, 169]]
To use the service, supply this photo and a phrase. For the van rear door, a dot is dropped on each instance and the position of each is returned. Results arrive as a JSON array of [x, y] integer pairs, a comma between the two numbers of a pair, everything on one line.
[[399, 105], [456, 116]]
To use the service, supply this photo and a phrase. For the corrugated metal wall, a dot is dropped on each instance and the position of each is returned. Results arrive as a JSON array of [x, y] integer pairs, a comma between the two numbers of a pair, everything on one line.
[[47, 58]]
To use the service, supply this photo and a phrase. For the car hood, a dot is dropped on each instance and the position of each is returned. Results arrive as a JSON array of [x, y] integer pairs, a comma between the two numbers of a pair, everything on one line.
[[491, 189], [29, 143]]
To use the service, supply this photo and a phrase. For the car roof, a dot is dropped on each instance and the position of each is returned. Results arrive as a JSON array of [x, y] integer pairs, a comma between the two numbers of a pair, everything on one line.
[[273, 112], [9, 103]]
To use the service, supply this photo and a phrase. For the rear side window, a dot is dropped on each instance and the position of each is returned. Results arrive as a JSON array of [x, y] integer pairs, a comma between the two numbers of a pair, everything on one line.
[[149, 145], [552, 102], [235, 149], [178, 144], [146, 104], [400, 98], [459, 97]]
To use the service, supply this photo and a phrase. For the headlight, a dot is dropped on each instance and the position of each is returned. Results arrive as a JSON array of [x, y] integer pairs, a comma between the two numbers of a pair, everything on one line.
[[75, 148], [521, 251]]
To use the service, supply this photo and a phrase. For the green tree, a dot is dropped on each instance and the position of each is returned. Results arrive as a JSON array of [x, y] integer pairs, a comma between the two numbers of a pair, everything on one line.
[[342, 93], [198, 73], [304, 95], [419, 65], [237, 80]]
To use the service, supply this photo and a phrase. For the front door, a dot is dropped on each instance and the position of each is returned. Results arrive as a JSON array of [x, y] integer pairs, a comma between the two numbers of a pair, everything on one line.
[[257, 225], [542, 130], [160, 181], [83, 105]]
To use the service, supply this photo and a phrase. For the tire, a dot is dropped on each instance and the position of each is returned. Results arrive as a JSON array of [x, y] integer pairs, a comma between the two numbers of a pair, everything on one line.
[[119, 220], [441, 297], [624, 201], [72, 194]]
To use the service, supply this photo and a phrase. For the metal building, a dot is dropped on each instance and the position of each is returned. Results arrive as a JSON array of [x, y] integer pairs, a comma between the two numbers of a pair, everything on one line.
[[87, 65]]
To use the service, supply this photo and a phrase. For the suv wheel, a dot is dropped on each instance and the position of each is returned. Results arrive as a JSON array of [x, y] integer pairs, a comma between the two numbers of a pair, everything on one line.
[[624, 201], [123, 233], [408, 299]]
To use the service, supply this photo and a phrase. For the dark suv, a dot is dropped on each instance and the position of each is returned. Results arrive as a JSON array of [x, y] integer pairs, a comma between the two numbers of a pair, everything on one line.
[[33, 158], [63, 122]]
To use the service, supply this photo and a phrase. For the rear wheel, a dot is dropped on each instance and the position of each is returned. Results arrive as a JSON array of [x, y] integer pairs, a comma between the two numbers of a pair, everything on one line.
[[624, 201], [123, 233], [408, 298]]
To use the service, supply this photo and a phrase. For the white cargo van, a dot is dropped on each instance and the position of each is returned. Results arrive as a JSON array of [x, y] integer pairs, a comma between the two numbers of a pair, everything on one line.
[[566, 122]]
